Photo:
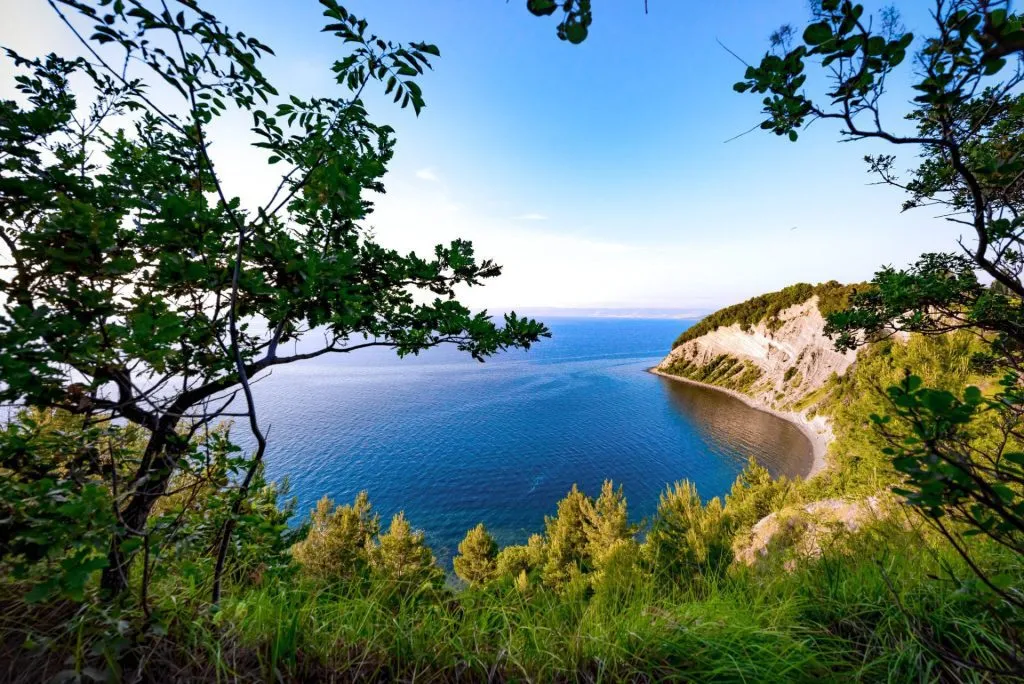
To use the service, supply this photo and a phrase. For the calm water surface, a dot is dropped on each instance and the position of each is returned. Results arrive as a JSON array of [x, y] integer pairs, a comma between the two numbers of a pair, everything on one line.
[[454, 442]]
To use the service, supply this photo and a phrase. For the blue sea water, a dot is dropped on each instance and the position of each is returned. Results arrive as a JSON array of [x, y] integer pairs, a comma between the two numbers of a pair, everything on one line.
[[454, 442]]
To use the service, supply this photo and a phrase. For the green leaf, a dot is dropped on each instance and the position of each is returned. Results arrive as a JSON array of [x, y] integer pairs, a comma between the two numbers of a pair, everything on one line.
[[541, 8], [817, 33], [576, 33]]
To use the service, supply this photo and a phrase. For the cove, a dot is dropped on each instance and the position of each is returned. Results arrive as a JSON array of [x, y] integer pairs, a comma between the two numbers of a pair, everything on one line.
[[453, 442]]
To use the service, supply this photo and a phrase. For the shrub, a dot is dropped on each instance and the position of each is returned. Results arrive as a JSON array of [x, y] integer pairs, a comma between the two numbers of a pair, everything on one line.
[[476, 562], [606, 523], [566, 539], [687, 538], [401, 557], [755, 494], [336, 545], [513, 561]]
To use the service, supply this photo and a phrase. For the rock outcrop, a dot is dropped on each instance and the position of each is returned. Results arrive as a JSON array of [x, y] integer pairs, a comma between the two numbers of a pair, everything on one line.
[[806, 529], [777, 363], [781, 365]]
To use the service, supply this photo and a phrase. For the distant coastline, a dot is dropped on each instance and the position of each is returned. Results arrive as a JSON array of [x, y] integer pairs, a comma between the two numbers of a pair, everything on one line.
[[819, 442], [617, 313]]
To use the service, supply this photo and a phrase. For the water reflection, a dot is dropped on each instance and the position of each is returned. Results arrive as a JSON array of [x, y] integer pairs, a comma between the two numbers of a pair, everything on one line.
[[735, 431]]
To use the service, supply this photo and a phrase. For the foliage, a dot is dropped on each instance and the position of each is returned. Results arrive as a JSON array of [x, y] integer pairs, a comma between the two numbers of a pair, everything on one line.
[[136, 286], [832, 296], [618, 612], [575, 24], [606, 524], [476, 562], [968, 116], [687, 538], [401, 558], [55, 512], [961, 490], [565, 538], [515, 560], [755, 494], [335, 547], [858, 466], [138, 290]]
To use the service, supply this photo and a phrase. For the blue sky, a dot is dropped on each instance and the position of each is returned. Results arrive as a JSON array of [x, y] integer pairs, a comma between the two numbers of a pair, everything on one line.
[[597, 174]]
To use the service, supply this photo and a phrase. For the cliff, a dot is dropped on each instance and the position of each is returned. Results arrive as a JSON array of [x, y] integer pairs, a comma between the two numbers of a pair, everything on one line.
[[779, 364]]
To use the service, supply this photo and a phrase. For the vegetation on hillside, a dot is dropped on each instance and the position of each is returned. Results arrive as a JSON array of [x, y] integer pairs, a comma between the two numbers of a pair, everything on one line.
[[969, 129], [593, 596], [138, 542], [832, 297], [723, 370]]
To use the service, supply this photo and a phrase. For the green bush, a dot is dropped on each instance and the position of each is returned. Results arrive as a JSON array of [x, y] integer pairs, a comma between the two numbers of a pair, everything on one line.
[[476, 562], [336, 546], [688, 539]]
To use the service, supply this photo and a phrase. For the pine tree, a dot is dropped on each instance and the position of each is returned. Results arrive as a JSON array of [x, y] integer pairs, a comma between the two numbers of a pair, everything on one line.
[[511, 561], [536, 551], [522, 558], [476, 562], [401, 556], [335, 547], [566, 539], [755, 494], [688, 538], [606, 523]]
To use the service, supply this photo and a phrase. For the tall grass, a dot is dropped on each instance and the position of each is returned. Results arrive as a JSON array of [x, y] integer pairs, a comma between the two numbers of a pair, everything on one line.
[[882, 605]]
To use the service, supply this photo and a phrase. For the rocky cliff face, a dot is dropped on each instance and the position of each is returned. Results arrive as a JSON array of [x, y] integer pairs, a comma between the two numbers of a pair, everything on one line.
[[779, 364]]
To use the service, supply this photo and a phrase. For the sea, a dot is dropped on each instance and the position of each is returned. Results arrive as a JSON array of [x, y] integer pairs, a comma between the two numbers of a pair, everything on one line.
[[454, 442]]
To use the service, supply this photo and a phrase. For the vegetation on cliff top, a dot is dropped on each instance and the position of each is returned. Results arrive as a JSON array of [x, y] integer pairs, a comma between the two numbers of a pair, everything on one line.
[[832, 297]]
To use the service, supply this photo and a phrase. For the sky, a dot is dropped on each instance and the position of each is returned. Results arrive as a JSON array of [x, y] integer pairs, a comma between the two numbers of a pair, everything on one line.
[[598, 175]]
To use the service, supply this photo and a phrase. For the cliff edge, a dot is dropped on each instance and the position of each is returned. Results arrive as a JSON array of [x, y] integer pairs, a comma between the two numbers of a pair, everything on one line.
[[779, 364]]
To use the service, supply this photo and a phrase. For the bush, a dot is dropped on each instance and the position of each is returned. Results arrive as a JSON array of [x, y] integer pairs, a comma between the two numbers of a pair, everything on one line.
[[755, 494], [401, 558], [335, 547], [476, 562], [566, 539], [688, 539]]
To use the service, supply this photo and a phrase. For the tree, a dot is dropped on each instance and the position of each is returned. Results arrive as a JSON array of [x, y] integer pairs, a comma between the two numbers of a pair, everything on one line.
[[136, 289], [566, 538], [478, 552], [754, 495], [516, 560], [606, 524], [336, 545], [401, 557], [687, 538], [969, 119]]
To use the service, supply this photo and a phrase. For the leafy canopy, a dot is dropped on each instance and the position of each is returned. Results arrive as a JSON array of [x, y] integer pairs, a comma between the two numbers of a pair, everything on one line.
[[136, 288]]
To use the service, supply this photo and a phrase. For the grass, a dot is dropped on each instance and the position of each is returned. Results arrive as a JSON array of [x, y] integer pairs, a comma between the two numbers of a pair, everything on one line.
[[892, 602], [869, 609]]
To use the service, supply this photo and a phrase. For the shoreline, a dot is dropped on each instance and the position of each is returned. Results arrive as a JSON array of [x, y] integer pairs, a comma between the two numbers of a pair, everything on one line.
[[819, 442]]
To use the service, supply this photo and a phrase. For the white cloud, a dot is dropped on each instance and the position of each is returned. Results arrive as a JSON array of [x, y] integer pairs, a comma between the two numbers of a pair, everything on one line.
[[427, 174], [531, 217]]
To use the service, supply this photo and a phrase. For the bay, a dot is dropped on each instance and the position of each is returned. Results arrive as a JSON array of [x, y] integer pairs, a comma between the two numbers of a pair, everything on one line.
[[454, 442]]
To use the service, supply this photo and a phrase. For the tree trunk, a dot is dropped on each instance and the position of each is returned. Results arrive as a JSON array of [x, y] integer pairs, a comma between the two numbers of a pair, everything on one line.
[[149, 483]]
